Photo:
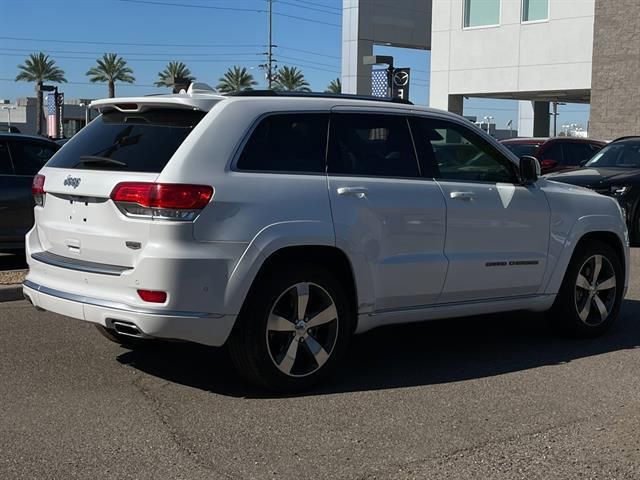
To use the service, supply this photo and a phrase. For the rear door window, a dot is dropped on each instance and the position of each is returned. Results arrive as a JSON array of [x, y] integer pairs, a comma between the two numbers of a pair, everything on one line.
[[30, 157], [374, 145], [575, 153], [133, 142], [287, 143], [6, 168]]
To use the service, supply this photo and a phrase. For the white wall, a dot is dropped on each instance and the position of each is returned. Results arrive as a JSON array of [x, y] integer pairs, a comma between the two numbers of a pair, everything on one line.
[[553, 55]]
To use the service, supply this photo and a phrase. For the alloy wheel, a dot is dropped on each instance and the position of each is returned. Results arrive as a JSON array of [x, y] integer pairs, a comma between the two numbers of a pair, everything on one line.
[[302, 329], [595, 291]]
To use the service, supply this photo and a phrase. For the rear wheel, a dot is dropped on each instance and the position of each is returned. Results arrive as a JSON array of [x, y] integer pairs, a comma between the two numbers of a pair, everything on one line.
[[294, 328], [591, 294]]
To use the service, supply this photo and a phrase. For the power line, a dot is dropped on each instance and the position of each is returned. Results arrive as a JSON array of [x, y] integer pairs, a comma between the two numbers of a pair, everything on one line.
[[136, 44], [308, 51], [166, 59], [77, 52], [319, 4], [296, 59], [236, 9], [283, 2]]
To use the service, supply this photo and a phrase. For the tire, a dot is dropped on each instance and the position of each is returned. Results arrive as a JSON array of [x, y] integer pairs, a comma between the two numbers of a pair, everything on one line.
[[124, 340], [581, 308], [286, 344]]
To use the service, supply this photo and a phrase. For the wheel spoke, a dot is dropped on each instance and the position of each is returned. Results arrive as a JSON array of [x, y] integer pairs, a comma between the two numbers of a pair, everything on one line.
[[584, 314], [582, 282], [276, 323], [596, 269], [302, 291], [290, 357], [601, 308], [607, 284], [325, 316], [319, 353]]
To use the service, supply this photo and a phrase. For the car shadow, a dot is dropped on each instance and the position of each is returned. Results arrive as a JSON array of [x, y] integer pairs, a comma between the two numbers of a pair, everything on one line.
[[406, 355]]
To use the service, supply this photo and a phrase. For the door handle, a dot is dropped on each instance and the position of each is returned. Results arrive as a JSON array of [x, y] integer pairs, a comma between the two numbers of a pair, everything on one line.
[[464, 196], [358, 192]]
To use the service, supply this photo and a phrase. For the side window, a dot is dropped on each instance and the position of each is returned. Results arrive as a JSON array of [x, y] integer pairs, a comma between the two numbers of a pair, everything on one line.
[[287, 143], [5, 160], [375, 145], [554, 152], [457, 153], [577, 152], [29, 158]]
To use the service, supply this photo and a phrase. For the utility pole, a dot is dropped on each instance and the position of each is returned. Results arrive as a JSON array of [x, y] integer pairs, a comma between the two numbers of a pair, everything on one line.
[[270, 50]]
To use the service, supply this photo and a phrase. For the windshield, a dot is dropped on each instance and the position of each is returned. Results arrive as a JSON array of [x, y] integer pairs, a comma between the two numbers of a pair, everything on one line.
[[134, 142], [522, 149], [617, 155]]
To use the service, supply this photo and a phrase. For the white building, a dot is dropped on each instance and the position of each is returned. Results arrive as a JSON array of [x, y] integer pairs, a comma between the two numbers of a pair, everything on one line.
[[537, 51]]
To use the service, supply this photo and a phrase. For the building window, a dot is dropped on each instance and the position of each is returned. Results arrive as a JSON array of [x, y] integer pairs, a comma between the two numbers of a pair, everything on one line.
[[481, 13], [535, 10]]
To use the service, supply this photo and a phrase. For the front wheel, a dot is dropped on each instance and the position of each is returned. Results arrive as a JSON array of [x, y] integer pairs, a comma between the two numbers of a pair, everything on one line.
[[591, 294], [294, 328]]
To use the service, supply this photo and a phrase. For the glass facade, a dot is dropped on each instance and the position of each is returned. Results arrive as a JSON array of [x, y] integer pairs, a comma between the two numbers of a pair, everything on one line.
[[533, 10], [478, 13]]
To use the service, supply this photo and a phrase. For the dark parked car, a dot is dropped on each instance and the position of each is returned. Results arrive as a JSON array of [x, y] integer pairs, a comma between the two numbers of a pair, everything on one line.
[[9, 129], [613, 171], [21, 156], [555, 154]]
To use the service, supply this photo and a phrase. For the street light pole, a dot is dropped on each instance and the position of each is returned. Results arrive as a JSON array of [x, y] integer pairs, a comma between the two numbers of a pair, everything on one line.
[[8, 109]]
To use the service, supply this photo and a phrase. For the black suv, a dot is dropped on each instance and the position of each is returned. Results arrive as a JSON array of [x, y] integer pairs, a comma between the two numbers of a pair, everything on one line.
[[21, 157], [613, 171]]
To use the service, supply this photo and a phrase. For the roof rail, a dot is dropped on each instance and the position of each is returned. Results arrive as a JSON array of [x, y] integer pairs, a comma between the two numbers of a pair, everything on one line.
[[626, 137], [344, 96]]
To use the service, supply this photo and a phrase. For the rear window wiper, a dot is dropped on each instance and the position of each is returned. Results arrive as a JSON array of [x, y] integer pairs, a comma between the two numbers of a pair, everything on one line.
[[95, 159]]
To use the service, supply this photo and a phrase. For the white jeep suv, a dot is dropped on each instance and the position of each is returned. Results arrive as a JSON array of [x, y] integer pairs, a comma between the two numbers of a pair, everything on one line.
[[280, 225]]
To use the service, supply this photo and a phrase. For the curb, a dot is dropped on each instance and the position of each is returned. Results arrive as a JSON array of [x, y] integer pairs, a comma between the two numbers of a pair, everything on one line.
[[10, 293]]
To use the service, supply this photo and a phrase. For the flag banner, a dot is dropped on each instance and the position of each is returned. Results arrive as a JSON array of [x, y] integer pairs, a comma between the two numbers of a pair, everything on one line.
[[52, 126]]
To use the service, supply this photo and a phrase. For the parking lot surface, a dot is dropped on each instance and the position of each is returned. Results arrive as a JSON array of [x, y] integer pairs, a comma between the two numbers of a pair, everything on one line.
[[497, 397]]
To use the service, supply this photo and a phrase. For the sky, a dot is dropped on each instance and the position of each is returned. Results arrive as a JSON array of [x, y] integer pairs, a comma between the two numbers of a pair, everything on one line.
[[209, 36]]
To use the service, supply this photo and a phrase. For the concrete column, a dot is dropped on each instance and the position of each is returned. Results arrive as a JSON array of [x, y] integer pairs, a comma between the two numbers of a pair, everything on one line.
[[456, 104], [541, 119], [356, 77], [525, 118]]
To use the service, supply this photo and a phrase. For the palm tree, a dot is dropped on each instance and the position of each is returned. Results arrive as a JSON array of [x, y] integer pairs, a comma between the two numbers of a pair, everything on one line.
[[174, 74], [110, 69], [39, 68], [335, 86], [291, 79], [236, 79]]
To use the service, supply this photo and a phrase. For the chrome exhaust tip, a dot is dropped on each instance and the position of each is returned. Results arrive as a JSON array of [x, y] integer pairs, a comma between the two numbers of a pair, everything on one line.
[[127, 328]]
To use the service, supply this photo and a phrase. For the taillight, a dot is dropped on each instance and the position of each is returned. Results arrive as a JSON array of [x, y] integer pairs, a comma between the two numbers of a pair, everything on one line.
[[168, 201], [37, 190], [153, 296]]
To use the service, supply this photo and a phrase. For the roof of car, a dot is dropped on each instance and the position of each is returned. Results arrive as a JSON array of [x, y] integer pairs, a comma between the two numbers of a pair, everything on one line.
[[22, 136], [204, 99], [541, 140]]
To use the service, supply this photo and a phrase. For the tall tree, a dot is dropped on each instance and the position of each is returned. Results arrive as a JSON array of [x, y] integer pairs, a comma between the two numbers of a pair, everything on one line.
[[111, 69], [39, 68], [235, 80], [335, 86], [174, 72], [291, 79]]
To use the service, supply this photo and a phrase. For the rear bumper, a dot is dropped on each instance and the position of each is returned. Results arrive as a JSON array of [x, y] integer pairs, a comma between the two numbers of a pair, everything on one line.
[[199, 327]]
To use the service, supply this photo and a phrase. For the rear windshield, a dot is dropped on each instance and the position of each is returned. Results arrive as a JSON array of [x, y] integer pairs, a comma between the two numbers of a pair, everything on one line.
[[133, 142], [522, 149]]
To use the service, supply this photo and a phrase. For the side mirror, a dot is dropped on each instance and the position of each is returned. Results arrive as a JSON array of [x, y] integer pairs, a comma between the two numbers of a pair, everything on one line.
[[529, 169]]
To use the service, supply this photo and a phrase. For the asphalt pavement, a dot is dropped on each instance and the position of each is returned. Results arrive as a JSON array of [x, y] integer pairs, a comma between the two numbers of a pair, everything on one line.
[[499, 397]]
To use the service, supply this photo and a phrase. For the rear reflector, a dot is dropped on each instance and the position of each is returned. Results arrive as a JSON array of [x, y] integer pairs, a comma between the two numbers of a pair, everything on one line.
[[37, 189], [159, 195], [153, 296]]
